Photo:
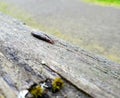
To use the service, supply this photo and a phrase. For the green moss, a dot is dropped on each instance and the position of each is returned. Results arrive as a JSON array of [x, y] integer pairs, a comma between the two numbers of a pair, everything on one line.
[[114, 3], [37, 91], [57, 85]]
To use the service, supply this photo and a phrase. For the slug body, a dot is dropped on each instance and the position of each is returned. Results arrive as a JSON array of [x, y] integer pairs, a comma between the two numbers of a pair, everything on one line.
[[43, 37]]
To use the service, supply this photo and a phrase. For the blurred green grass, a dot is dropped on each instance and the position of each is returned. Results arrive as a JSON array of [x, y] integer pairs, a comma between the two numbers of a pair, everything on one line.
[[114, 3], [15, 12]]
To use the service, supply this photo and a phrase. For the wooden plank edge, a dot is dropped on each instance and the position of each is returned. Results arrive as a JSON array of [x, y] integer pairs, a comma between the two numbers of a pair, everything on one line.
[[81, 83]]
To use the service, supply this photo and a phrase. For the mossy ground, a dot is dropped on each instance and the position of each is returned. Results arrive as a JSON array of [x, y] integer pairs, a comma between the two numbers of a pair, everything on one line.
[[113, 3], [29, 20]]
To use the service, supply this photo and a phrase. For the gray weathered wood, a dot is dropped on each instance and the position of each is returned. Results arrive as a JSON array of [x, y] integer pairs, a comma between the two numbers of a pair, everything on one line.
[[5, 90], [95, 75]]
